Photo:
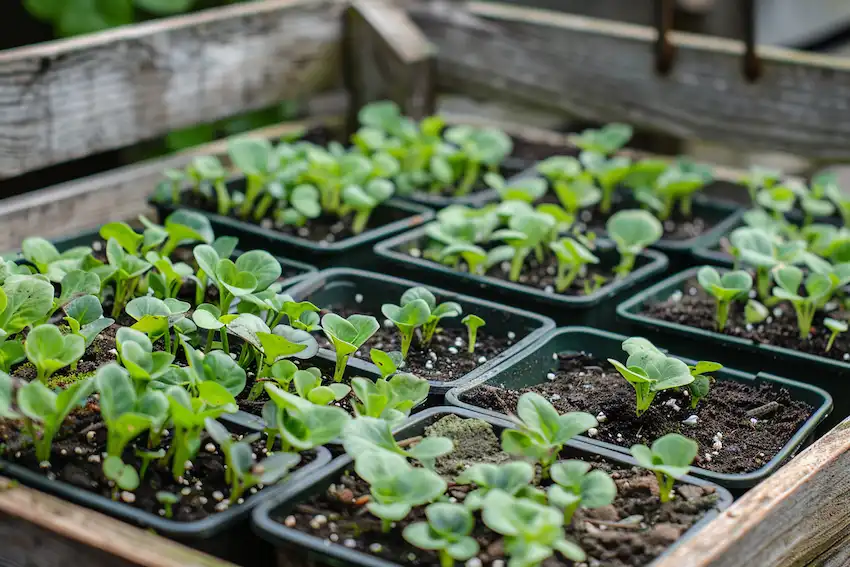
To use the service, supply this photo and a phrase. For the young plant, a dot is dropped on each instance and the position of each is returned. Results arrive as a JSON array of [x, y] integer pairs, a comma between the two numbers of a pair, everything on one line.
[[650, 371], [136, 354], [819, 289], [301, 424], [252, 272], [541, 433], [533, 531], [390, 400], [155, 317], [49, 350], [255, 158], [168, 500], [123, 476], [308, 385], [573, 257], [480, 147], [472, 322], [364, 199], [725, 289], [609, 173], [387, 362], [407, 317], [678, 184], [84, 317], [44, 411], [606, 140], [755, 312], [437, 311], [366, 434], [347, 335], [513, 477], [446, 531], [573, 187], [526, 232], [47, 260], [760, 178], [396, 486], [243, 470], [760, 249], [526, 189], [208, 170], [75, 283], [699, 388], [669, 458], [576, 485], [632, 231], [208, 317], [836, 327], [127, 270]]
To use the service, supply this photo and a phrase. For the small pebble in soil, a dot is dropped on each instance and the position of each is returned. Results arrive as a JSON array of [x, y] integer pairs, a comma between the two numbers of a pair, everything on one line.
[[429, 365], [777, 312], [707, 457], [601, 417], [548, 289], [94, 458], [482, 359], [304, 232], [188, 465], [692, 291], [375, 547], [411, 557], [592, 432], [676, 296], [185, 491], [90, 436], [554, 398], [511, 335], [358, 298], [452, 350], [555, 356], [846, 356], [753, 421], [749, 326], [415, 252], [233, 355], [222, 506], [161, 512], [63, 452], [717, 445], [210, 448], [78, 450], [266, 223], [334, 538], [498, 563], [474, 562], [202, 500], [350, 543], [128, 497], [97, 246], [692, 420], [218, 495], [551, 376], [113, 352], [44, 464]]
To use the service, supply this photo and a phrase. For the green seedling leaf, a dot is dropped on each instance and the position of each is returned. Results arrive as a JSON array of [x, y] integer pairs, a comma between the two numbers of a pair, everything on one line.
[[669, 458]]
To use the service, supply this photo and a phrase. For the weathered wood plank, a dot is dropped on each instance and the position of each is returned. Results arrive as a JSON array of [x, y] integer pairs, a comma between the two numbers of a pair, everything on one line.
[[791, 519], [118, 194], [387, 57], [38, 530], [68, 99], [603, 71]]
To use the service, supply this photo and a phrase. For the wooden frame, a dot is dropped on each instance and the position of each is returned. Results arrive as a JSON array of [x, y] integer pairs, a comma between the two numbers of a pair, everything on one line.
[[403, 49]]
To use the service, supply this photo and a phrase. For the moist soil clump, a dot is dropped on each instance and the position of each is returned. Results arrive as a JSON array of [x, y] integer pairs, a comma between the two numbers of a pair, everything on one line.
[[631, 532], [446, 358], [730, 441], [693, 307], [78, 461]]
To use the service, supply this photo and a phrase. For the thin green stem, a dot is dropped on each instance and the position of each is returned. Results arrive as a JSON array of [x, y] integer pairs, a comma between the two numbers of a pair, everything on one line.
[[339, 370], [470, 176], [722, 314]]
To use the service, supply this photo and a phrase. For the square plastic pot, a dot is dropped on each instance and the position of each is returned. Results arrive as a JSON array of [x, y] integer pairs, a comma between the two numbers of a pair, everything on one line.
[[393, 216], [532, 366], [595, 309], [226, 534], [343, 286], [289, 541], [85, 238]]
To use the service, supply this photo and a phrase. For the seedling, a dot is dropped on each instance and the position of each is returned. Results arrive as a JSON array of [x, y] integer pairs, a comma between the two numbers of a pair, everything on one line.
[[75, 283], [836, 327], [243, 471], [84, 317], [366, 434], [576, 485], [49, 350], [526, 232], [387, 362], [45, 411], [632, 231], [669, 458], [252, 272], [216, 366], [147, 457], [760, 178], [254, 157], [390, 400], [301, 424], [678, 184], [541, 433], [308, 385], [478, 260], [47, 260], [127, 269], [701, 385], [526, 189], [605, 140], [755, 312], [122, 475], [437, 311], [208, 169], [155, 317], [574, 188], [168, 500], [364, 199], [778, 199], [480, 147], [726, 289], [472, 322], [609, 173], [407, 318], [135, 353], [168, 277], [513, 477], [573, 257], [208, 317], [758, 248], [650, 371], [819, 288], [533, 531], [347, 335], [396, 486], [446, 531]]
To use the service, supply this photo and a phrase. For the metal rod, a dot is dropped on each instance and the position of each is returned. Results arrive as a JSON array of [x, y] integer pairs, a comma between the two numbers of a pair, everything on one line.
[[664, 12], [752, 65]]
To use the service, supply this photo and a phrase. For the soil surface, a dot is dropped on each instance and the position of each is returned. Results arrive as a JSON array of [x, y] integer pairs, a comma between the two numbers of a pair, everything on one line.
[[76, 459], [583, 383], [632, 531], [325, 229], [693, 307], [446, 358]]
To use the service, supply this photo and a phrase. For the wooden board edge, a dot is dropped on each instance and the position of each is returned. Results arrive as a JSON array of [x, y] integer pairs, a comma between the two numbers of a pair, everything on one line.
[[67, 526]]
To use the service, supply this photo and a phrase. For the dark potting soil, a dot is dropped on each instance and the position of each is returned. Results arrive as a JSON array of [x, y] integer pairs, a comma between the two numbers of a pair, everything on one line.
[[632, 531], [325, 229], [77, 460], [537, 275], [729, 440], [694, 308], [446, 358]]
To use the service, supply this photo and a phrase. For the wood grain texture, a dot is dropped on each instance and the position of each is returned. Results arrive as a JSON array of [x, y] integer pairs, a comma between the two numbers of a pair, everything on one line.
[[37, 530], [71, 98], [602, 71], [387, 57], [119, 194], [798, 515]]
